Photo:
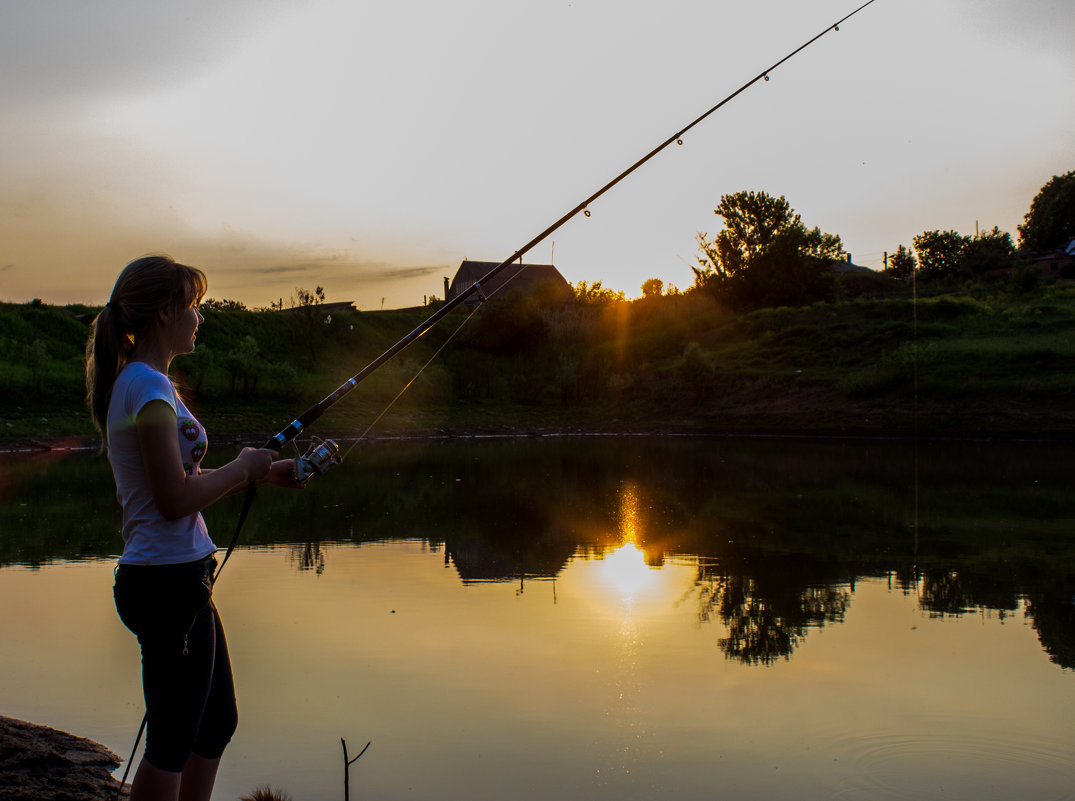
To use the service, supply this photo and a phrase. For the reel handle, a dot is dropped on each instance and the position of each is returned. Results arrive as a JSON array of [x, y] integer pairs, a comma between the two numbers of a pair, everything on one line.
[[321, 455]]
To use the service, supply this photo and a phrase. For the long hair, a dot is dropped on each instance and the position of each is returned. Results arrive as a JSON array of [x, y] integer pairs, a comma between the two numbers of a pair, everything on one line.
[[146, 287]]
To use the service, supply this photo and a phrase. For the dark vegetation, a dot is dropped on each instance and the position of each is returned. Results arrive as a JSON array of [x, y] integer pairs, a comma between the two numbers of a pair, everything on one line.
[[990, 360], [966, 336]]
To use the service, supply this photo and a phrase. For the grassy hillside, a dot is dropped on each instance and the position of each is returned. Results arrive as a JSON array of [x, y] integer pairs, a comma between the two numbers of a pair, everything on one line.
[[990, 365]]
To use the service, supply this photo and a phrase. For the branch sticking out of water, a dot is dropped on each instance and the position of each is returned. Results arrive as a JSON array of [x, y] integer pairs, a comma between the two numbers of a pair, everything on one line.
[[347, 763]]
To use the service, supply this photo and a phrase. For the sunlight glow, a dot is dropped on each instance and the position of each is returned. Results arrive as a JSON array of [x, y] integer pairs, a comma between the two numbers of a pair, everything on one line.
[[625, 571], [624, 568]]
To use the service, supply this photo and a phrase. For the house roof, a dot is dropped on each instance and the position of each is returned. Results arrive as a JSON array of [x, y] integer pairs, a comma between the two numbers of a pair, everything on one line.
[[843, 266], [511, 278]]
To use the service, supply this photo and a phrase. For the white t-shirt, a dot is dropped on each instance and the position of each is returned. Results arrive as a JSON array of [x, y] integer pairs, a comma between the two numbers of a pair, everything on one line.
[[148, 538]]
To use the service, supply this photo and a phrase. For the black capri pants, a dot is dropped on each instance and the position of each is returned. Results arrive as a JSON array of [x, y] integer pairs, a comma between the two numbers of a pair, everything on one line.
[[186, 670]]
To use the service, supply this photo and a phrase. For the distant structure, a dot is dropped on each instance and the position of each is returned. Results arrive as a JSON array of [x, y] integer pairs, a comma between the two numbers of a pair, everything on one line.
[[329, 308], [1057, 262], [512, 278], [845, 265]]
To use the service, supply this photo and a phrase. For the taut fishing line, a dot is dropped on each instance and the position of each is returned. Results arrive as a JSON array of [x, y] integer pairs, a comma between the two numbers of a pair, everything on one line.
[[503, 286], [323, 454]]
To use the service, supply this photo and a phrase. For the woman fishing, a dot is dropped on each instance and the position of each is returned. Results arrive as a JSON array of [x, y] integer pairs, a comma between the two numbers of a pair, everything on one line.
[[164, 580]]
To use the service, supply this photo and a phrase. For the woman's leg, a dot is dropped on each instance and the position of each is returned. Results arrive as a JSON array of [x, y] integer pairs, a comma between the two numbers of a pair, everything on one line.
[[195, 783], [220, 716], [153, 784], [217, 723], [199, 776]]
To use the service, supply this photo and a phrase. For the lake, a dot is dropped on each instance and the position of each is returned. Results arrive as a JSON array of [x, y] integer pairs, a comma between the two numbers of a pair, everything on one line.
[[597, 618]]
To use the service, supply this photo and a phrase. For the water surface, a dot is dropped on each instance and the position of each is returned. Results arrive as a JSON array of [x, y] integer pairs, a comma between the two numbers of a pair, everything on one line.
[[598, 619]]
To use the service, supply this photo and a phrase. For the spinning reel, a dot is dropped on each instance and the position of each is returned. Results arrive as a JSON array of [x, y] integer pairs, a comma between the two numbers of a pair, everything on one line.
[[321, 455]]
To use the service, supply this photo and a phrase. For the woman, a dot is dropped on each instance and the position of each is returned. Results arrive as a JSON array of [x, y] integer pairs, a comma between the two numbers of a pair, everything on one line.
[[163, 588]]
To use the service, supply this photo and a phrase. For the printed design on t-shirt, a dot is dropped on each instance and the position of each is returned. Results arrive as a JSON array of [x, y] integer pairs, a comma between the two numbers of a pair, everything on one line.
[[190, 429]]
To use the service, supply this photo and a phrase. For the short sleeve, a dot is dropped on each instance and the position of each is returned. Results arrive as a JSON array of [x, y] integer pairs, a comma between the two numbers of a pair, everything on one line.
[[149, 386]]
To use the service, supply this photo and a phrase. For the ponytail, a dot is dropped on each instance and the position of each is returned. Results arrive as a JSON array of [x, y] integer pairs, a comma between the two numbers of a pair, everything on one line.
[[145, 287]]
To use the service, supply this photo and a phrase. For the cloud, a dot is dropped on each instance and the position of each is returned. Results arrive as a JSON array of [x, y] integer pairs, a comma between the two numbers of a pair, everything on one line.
[[387, 272]]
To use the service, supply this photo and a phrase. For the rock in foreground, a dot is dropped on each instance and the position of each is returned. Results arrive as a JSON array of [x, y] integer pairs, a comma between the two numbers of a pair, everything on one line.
[[39, 763]]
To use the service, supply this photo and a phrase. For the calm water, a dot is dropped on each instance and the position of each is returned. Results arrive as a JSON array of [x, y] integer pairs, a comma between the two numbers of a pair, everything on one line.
[[598, 619]]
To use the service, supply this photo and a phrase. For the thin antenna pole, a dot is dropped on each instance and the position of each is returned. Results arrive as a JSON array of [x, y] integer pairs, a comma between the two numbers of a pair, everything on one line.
[[294, 428]]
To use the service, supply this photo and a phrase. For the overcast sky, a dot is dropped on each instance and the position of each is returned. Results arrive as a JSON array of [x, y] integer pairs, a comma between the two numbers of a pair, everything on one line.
[[369, 148]]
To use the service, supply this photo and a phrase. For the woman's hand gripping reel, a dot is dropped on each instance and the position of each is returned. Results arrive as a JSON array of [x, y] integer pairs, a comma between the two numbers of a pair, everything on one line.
[[321, 455]]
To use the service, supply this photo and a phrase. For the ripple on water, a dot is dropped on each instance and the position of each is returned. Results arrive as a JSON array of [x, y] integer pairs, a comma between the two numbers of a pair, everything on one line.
[[953, 765]]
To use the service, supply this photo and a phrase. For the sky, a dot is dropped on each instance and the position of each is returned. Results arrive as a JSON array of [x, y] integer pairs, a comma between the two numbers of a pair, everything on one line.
[[369, 148]]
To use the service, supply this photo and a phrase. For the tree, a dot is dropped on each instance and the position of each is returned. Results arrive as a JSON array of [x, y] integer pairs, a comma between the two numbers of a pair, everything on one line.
[[901, 264], [594, 294], [948, 253], [310, 317], [197, 365], [306, 298], [765, 255], [752, 221], [244, 363], [940, 252], [652, 288], [991, 250], [1050, 222], [212, 304]]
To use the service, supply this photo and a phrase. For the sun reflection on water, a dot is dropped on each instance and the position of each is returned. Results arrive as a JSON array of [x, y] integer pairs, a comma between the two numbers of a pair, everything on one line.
[[623, 568]]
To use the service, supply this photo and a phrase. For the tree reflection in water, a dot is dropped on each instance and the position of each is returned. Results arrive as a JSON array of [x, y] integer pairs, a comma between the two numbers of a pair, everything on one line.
[[308, 556], [779, 530], [766, 617]]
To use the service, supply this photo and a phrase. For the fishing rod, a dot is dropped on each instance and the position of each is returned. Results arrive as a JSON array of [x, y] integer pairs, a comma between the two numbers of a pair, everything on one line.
[[325, 453]]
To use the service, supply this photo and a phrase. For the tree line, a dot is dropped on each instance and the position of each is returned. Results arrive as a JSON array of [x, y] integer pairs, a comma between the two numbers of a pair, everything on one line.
[[766, 256]]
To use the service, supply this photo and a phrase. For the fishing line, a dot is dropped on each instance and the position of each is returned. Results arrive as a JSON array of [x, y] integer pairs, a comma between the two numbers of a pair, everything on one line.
[[421, 370], [450, 337], [914, 412]]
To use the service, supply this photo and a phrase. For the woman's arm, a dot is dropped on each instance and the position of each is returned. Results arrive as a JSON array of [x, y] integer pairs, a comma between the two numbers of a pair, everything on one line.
[[281, 474], [175, 493]]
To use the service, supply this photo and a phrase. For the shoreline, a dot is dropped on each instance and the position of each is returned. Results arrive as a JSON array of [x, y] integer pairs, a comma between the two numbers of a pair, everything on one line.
[[22, 446]]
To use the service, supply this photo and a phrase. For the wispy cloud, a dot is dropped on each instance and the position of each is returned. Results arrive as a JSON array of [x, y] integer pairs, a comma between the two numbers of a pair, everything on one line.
[[392, 273]]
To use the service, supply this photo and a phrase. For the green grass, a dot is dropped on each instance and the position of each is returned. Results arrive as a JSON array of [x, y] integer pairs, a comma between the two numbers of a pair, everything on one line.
[[992, 364]]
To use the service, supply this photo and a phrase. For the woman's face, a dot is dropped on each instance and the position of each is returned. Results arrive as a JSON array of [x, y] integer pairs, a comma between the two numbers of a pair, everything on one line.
[[185, 328]]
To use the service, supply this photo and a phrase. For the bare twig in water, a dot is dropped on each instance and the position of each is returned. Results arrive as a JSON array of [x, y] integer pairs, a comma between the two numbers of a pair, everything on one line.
[[347, 763]]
